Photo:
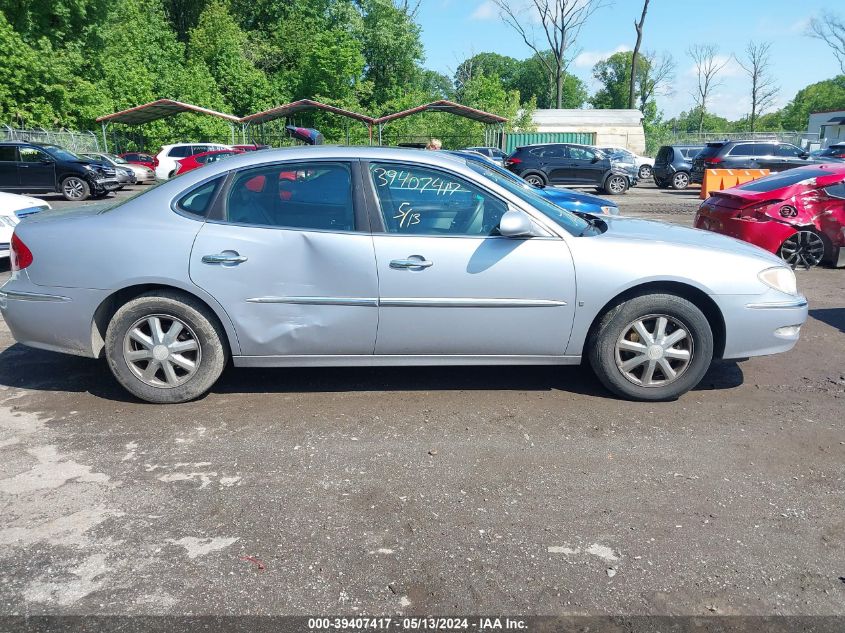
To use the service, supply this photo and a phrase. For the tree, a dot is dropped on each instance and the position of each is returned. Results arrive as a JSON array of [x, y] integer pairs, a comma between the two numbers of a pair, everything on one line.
[[764, 90], [392, 47], [218, 41], [57, 20], [533, 82], [654, 77], [635, 55], [817, 97], [614, 75], [507, 68], [830, 29], [707, 68], [560, 21]]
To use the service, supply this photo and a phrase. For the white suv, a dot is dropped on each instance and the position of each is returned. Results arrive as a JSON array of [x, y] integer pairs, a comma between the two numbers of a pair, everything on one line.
[[169, 154]]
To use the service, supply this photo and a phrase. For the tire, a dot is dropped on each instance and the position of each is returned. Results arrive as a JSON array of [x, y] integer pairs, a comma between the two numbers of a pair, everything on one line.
[[615, 343], [805, 248], [75, 189], [200, 341], [645, 172], [535, 179], [680, 180], [616, 185]]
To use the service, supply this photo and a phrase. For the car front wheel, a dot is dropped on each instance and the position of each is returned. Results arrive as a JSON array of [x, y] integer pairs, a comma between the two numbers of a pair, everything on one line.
[[651, 348], [165, 347], [616, 185], [75, 189], [645, 172]]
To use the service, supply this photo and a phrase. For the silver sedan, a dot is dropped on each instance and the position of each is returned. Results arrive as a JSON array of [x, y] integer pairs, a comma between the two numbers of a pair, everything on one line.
[[319, 256]]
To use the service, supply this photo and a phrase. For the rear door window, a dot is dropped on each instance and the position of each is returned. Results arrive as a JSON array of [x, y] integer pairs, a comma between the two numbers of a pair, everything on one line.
[[315, 196], [764, 149], [8, 154]]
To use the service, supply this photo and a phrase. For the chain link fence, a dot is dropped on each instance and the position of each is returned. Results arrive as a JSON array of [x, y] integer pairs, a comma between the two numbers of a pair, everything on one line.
[[74, 141]]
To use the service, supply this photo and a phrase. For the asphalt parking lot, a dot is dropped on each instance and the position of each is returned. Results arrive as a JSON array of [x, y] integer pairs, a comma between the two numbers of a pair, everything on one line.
[[437, 490]]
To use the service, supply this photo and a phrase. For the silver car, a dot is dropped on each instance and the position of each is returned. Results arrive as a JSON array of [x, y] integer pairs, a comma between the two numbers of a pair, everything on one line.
[[318, 256], [133, 173]]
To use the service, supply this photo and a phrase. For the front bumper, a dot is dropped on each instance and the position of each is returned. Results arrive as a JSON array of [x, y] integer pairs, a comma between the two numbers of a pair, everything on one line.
[[100, 185], [758, 325]]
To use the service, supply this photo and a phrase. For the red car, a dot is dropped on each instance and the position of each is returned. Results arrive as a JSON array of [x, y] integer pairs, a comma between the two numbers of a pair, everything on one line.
[[798, 214], [198, 160], [138, 158]]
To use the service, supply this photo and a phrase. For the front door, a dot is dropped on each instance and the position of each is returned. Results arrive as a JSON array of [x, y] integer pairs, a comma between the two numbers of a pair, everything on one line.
[[588, 168], [36, 170], [450, 285], [289, 262]]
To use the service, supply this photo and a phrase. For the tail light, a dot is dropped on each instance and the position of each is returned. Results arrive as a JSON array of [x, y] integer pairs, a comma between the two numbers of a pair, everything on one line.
[[512, 161], [19, 254], [715, 160]]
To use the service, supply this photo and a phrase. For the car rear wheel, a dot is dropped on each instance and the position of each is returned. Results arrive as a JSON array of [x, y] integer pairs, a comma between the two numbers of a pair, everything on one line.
[[165, 347], [645, 172], [537, 180], [680, 180], [651, 348], [616, 185], [75, 189], [804, 248]]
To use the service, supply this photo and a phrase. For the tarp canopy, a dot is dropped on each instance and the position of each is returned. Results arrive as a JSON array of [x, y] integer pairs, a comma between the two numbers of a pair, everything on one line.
[[160, 109], [286, 110], [446, 106]]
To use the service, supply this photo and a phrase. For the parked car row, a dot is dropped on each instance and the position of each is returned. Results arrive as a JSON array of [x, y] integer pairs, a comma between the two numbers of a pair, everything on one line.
[[13, 209]]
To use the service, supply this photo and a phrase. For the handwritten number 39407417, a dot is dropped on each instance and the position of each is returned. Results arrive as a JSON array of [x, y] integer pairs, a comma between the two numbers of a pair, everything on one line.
[[390, 177]]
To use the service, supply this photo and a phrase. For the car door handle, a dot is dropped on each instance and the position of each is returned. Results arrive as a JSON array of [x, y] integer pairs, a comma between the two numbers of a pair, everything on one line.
[[411, 263], [224, 258]]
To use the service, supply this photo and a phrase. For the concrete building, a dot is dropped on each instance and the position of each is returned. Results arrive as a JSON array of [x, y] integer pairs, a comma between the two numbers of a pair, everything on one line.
[[610, 128], [829, 125]]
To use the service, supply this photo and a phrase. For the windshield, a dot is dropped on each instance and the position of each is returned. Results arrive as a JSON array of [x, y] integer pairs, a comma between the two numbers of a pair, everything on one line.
[[116, 159], [521, 189], [60, 153]]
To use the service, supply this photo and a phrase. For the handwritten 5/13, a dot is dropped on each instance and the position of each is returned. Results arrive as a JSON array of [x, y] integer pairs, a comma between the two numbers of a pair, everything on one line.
[[406, 216]]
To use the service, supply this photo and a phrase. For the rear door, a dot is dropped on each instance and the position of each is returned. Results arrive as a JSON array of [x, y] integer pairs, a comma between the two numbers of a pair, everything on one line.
[[8, 167], [36, 169], [289, 255], [764, 157]]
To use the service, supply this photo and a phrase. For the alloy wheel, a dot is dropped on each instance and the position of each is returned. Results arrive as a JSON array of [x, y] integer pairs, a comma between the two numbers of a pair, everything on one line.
[[654, 351], [645, 172], [616, 184], [534, 180], [805, 248], [162, 351], [680, 181], [74, 188]]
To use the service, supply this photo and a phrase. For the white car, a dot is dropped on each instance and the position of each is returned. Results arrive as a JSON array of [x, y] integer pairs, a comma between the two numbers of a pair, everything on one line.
[[645, 165], [12, 209], [169, 154]]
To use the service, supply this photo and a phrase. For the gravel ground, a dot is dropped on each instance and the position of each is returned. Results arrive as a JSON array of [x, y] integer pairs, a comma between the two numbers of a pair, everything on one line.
[[437, 490]]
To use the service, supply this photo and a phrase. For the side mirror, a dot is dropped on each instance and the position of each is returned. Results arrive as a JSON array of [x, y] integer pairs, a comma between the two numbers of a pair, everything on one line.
[[516, 223], [804, 155], [595, 159]]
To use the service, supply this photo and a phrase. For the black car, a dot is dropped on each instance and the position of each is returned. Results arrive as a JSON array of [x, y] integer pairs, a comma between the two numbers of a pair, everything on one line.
[[771, 155], [673, 164], [493, 153], [568, 164], [44, 168]]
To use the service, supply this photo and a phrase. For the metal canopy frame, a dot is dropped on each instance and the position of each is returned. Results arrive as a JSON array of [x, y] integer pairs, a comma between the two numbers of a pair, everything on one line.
[[494, 124], [162, 108], [159, 109]]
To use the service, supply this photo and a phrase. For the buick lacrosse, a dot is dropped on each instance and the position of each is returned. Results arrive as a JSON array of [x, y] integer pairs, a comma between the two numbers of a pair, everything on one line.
[[320, 256]]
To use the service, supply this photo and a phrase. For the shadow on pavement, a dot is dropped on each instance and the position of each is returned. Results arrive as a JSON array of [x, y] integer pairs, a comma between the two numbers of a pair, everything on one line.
[[39, 370], [834, 317]]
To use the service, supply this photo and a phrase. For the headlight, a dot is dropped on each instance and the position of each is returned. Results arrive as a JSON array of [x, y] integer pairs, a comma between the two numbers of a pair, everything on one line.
[[610, 210], [780, 278], [89, 168]]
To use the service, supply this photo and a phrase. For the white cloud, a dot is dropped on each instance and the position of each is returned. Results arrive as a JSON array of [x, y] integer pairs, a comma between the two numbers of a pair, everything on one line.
[[588, 59], [485, 11]]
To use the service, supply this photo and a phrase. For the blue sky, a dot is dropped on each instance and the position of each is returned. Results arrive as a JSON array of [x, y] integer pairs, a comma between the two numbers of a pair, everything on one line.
[[453, 30]]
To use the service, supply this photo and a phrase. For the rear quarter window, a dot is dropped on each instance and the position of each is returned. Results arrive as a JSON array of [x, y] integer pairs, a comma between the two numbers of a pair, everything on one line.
[[197, 201]]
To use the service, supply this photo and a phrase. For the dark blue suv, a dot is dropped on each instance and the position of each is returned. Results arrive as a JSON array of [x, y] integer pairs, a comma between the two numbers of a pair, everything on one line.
[[569, 164], [673, 165]]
